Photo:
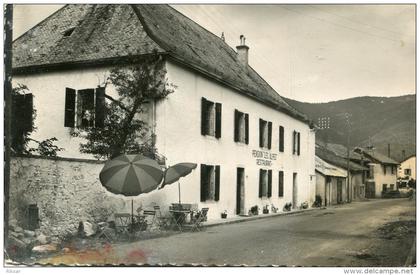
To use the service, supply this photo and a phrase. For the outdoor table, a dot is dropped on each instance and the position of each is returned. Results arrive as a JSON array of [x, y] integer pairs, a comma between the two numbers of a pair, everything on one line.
[[178, 216], [125, 224]]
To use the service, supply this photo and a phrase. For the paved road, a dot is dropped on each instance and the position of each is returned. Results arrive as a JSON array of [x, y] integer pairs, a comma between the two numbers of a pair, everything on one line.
[[330, 237]]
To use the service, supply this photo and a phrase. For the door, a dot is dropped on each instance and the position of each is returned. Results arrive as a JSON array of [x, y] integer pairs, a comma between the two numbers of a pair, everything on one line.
[[240, 191], [294, 201], [370, 189], [339, 191]]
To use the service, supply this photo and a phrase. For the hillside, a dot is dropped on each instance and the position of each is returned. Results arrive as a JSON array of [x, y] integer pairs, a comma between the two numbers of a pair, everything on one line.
[[374, 120]]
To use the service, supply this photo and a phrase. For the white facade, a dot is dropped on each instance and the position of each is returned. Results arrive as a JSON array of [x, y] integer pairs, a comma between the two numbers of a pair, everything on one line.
[[407, 168], [384, 178], [177, 127]]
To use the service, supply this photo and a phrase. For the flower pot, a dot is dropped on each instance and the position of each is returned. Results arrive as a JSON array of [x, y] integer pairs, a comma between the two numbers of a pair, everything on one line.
[[224, 215], [265, 211]]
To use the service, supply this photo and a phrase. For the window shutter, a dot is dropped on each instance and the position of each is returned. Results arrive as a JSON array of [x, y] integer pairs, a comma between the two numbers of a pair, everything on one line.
[[281, 183], [27, 112], [218, 120], [203, 116], [203, 183], [261, 183], [246, 128], [270, 127], [294, 142], [261, 133], [217, 183], [100, 107], [298, 144], [270, 177], [281, 139], [70, 105], [236, 127]]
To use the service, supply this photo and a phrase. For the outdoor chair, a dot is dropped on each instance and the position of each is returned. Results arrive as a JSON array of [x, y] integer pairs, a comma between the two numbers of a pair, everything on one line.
[[161, 220], [151, 219], [198, 219]]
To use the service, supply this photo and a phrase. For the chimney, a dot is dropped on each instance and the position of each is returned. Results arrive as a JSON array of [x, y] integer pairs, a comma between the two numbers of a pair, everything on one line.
[[389, 150], [403, 154], [242, 50]]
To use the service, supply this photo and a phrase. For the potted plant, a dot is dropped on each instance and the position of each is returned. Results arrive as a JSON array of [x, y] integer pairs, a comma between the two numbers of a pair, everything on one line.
[[287, 206], [265, 209], [274, 209], [224, 214], [254, 210]]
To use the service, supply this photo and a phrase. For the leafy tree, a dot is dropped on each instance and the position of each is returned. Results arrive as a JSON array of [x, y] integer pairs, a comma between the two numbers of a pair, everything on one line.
[[123, 131]]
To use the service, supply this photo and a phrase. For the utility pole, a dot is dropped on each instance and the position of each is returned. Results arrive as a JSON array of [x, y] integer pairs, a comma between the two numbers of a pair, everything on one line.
[[347, 116], [8, 22]]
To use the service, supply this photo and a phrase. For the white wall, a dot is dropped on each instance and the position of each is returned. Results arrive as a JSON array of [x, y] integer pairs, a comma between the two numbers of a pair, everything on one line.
[[179, 139], [381, 179], [408, 164], [49, 90], [178, 124]]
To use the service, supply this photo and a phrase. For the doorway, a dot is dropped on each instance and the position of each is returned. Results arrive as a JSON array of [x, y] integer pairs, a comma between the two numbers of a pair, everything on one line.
[[339, 191], [294, 199], [240, 191]]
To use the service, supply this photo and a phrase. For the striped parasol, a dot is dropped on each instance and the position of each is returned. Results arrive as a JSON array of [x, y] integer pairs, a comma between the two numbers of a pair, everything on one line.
[[174, 173], [131, 175]]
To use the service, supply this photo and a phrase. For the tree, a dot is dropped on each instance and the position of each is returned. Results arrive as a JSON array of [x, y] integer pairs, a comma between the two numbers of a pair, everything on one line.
[[123, 131]]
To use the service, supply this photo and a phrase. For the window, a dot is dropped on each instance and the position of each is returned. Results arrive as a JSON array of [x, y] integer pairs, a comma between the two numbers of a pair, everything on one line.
[[210, 183], [21, 120], [211, 118], [296, 143], [371, 172], [407, 172], [391, 187], [241, 129], [393, 170], [384, 187], [86, 108], [281, 183], [281, 138], [265, 134], [264, 189], [384, 169]]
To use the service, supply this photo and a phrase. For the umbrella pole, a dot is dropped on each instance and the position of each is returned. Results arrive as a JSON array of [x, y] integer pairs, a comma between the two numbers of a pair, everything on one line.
[[132, 214], [179, 193]]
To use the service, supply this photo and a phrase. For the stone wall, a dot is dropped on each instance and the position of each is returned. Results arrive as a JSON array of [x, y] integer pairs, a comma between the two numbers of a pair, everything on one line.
[[66, 191]]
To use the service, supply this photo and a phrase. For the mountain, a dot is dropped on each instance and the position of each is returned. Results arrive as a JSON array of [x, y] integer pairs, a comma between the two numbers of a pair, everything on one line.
[[376, 121]]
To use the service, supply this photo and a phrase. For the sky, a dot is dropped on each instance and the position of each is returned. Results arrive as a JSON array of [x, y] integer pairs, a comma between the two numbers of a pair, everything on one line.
[[310, 53]]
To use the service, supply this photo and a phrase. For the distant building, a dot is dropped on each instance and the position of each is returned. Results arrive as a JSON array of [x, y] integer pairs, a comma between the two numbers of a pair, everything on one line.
[[382, 174], [330, 182], [407, 168]]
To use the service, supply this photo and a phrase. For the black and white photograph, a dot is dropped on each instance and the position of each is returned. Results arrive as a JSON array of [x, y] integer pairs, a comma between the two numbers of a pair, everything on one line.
[[158, 135]]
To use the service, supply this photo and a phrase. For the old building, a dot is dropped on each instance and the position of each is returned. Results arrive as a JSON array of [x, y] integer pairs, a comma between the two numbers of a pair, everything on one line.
[[330, 182], [251, 147], [382, 174], [407, 168], [357, 172]]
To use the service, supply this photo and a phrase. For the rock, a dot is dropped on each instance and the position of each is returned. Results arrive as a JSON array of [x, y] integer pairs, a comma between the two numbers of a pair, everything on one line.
[[29, 233], [86, 229], [18, 229], [42, 239], [45, 248]]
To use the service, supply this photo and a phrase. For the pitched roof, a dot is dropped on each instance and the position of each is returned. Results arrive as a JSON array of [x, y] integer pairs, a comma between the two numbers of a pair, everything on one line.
[[104, 33], [409, 157], [334, 159], [379, 157], [328, 169]]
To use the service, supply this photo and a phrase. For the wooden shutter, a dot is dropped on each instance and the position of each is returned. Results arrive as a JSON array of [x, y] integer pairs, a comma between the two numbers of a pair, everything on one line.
[[218, 120], [294, 142], [281, 139], [261, 183], [261, 133], [26, 110], [203, 183], [236, 126], [281, 183], [100, 107], [217, 183], [246, 128], [270, 127], [298, 143], [203, 116], [270, 177], [70, 105]]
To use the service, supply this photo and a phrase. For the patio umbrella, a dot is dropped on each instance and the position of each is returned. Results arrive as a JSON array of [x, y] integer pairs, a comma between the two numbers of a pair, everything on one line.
[[131, 175], [174, 173]]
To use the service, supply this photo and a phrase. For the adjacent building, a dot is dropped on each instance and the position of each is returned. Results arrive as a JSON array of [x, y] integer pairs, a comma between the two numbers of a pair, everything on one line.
[[407, 168], [330, 182], [251, 147]]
